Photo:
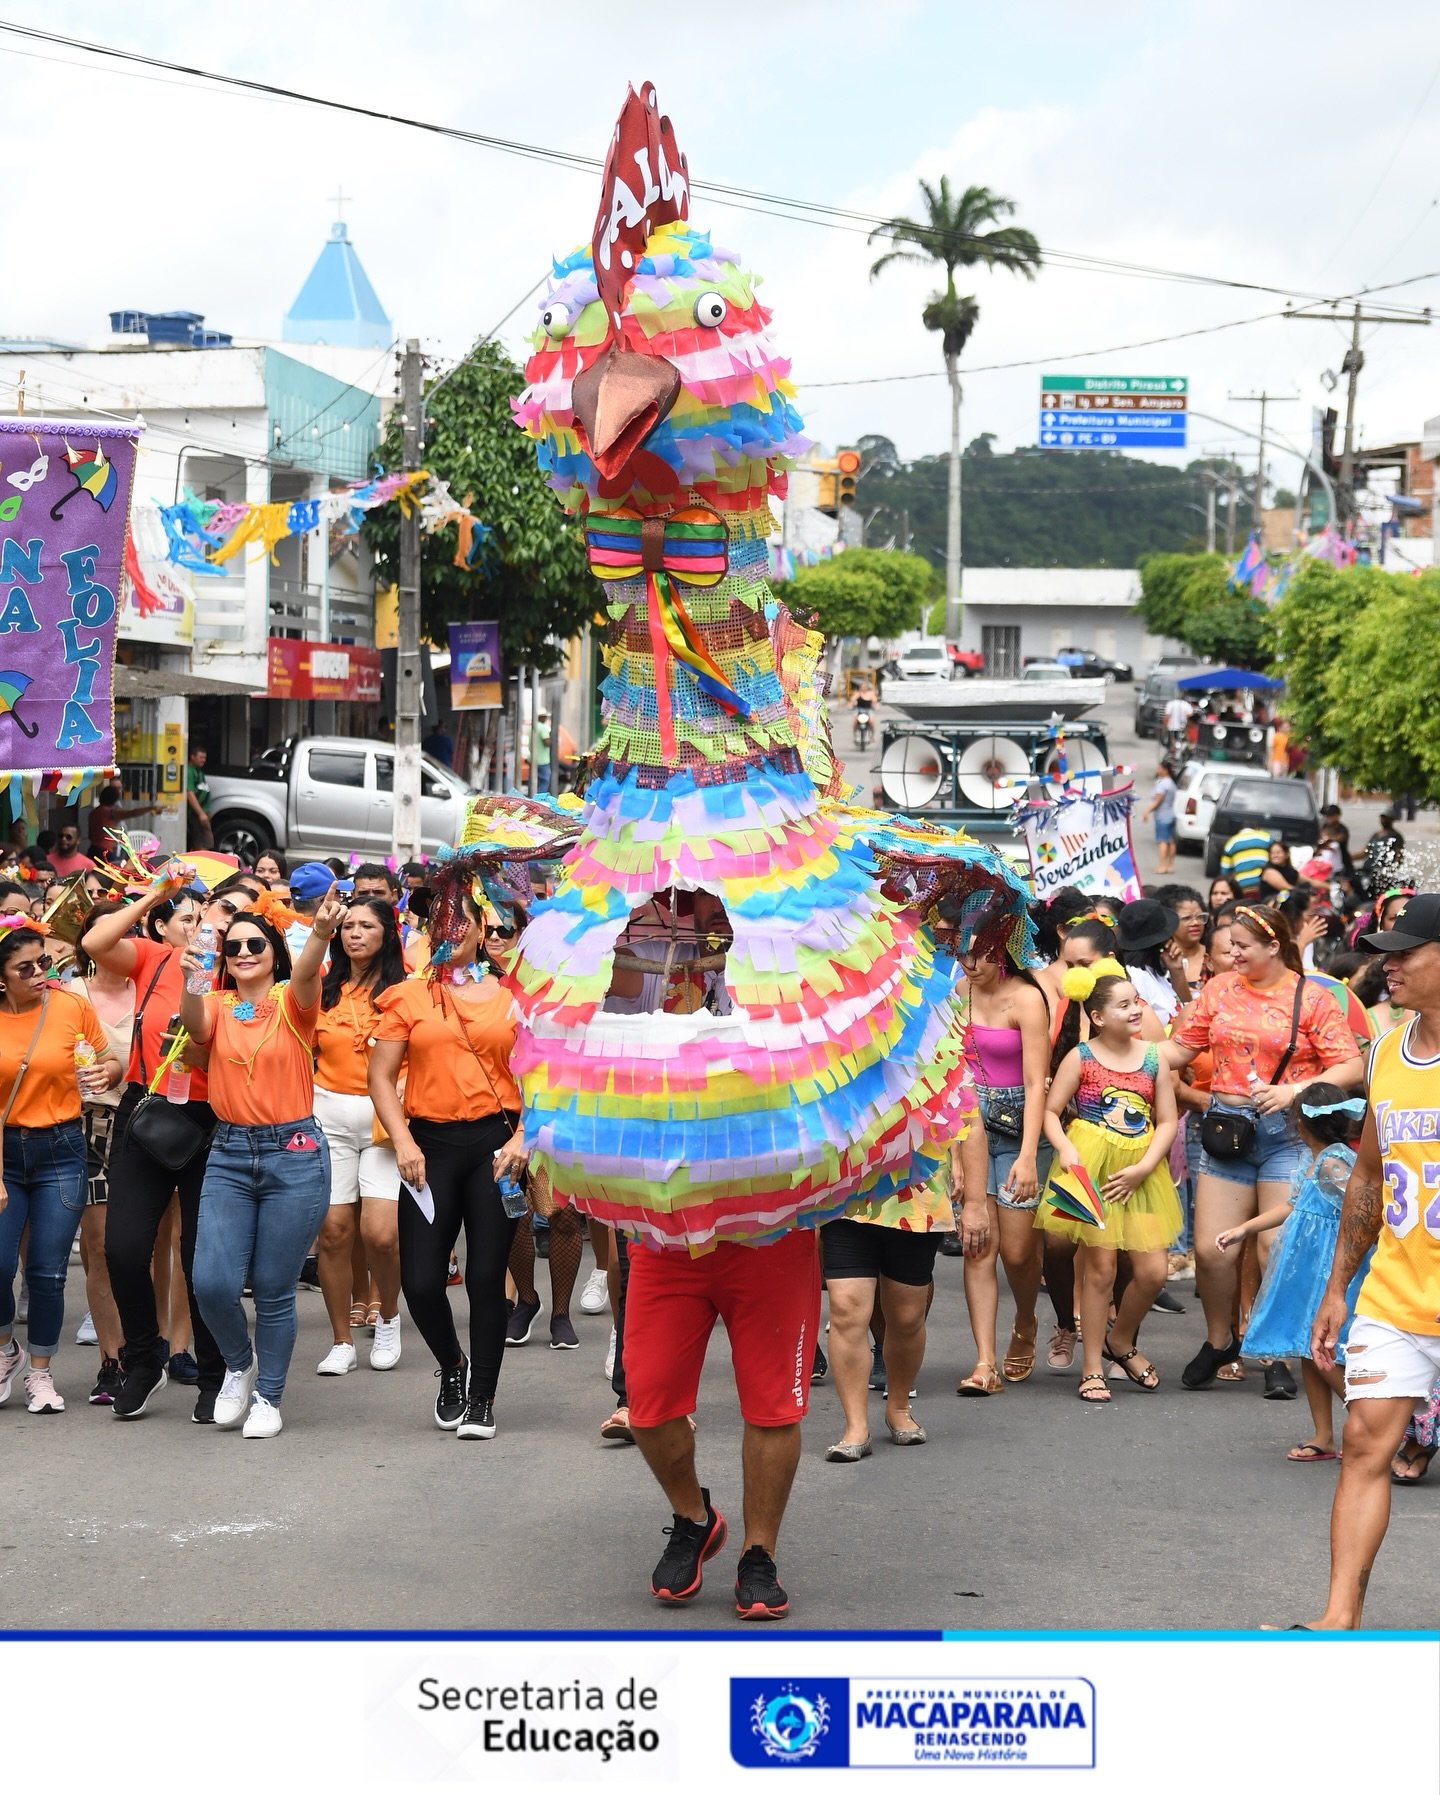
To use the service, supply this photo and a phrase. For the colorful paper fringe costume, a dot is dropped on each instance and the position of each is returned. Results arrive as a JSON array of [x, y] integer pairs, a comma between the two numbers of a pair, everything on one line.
[[830, 1070]]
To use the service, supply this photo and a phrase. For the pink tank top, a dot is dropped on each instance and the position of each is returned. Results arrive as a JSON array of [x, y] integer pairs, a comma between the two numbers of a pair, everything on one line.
[[1000, 1054]]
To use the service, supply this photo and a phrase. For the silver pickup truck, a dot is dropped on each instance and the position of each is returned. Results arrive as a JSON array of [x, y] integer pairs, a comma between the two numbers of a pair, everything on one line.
[[328, 794]]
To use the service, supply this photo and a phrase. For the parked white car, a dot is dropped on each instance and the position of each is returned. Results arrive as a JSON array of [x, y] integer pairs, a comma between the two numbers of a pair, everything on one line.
[[925, 660], [1198, 792]]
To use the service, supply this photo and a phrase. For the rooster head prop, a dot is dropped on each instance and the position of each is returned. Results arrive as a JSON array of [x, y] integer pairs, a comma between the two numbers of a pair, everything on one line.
[[653, 376]]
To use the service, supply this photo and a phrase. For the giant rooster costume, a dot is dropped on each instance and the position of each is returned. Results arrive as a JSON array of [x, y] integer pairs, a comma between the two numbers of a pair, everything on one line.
[[664, 418]]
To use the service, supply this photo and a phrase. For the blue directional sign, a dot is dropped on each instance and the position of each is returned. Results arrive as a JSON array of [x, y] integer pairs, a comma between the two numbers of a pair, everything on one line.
[[1113, 411]]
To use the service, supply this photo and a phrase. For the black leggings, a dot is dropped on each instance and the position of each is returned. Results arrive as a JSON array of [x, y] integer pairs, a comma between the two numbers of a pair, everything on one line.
[[460, 1170], [140, 1193]]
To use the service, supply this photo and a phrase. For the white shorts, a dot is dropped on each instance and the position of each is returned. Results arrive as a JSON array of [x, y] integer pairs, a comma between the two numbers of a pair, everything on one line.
[[358, 1168], [1384, 1361]]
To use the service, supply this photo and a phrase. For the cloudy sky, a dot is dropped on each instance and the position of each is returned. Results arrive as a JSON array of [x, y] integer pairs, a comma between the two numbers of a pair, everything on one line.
[[1291, 143]]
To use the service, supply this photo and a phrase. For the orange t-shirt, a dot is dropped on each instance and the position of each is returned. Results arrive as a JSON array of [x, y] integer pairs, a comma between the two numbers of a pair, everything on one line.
[[262, 1070], [48, 1093], [162, 1003], [454, 1073], [343, 1035], [1245, 1027]]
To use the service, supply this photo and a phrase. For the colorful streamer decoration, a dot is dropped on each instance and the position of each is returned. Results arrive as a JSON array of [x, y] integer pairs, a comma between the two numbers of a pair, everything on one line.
[[1072, 1195]]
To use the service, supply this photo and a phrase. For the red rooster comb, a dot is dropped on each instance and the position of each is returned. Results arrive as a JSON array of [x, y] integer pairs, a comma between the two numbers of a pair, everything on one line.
[[646, 184]]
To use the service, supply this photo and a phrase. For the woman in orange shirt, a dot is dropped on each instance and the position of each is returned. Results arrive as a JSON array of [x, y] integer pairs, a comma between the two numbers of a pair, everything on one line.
[[456, 1133], [364, 1183], [267, 1180], [52, 1048]]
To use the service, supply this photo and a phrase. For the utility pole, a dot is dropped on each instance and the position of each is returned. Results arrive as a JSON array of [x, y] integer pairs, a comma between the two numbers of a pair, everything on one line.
[[1352, 364], [409, 685], [1262, 400]]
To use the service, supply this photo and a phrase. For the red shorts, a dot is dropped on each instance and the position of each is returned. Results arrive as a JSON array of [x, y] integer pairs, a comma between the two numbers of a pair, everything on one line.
[[769, 1299]]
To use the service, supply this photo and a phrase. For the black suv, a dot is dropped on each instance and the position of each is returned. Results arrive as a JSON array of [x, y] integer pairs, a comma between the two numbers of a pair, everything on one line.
[[1284, 808], [1089, 665]]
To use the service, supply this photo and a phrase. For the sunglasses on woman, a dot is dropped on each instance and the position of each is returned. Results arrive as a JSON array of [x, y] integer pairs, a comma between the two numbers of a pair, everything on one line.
[[28, 968], [252, 944]]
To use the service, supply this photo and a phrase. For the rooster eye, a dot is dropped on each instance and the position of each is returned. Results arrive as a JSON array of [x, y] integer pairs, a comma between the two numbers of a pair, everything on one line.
[[710, 308], [556, 319]]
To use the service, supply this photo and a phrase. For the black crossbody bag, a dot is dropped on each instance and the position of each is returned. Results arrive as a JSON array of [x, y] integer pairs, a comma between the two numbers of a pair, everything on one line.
[[171, 1133], [1226, 1135]]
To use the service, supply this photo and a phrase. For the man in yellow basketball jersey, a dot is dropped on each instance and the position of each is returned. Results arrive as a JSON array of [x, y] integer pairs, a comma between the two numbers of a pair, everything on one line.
[[1392, 1354]]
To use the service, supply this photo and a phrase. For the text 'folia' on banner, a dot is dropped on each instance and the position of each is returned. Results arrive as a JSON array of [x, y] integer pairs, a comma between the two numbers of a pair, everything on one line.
[[1083, 842], [64, 509], [475, 671]]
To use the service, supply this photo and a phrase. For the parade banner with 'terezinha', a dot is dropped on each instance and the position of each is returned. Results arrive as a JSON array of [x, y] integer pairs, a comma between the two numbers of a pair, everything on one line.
[[64, 508], [1084, 842]]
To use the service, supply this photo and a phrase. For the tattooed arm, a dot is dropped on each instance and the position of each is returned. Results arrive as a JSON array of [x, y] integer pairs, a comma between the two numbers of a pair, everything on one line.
[[1359, 1230]]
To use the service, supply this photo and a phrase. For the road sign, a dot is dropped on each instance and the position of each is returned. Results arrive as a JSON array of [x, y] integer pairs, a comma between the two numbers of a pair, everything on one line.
[[1113, 411]]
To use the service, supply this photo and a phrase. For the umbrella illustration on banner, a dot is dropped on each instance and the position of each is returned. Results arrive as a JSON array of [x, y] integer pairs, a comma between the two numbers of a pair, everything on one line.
[[13, 687], [94, 473]]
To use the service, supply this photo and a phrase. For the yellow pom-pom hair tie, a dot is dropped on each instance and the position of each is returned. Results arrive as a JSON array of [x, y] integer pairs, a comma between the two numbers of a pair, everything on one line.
[[1079, 981]]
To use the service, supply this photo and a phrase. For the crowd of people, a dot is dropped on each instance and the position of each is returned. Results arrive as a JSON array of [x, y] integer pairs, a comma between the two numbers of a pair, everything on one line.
[[305, 1074]]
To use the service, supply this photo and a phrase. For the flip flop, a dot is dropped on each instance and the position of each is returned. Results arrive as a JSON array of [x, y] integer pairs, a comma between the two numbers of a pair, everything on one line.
[[1418, 1455], [1309, 1454]]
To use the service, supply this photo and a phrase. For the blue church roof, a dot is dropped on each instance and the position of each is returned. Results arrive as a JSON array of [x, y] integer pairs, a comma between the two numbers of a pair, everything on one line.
[[337, 304]]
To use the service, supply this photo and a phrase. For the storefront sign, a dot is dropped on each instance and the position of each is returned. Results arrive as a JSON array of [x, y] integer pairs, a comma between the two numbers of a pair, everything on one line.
[[330, 671], [475, 666]]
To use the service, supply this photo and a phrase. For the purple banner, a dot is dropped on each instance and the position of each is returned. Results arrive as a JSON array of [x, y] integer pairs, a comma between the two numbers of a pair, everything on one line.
[[64, 509], [475, 666]]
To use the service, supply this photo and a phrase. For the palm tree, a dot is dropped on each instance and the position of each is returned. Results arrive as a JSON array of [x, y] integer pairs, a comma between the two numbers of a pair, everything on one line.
[[957, 233]]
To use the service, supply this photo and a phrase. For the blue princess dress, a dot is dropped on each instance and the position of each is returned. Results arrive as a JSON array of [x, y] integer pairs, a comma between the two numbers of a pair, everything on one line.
[[1300, 1259]]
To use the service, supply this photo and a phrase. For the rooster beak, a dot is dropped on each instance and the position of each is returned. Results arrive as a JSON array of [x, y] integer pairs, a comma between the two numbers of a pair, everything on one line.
[[618, 401]]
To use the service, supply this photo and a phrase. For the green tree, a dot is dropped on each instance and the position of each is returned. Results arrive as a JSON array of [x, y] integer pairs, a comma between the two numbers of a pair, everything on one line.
[[1383, 725], [1307, 634], [532, 575], [1188, 597], [864, 592], [956, 232]]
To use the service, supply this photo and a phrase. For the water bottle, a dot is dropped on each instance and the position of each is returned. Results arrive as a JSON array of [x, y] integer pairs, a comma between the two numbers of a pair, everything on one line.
[[85, 1058], [1252, 1081], [512, 1196], [177, 1087], [197, 983]]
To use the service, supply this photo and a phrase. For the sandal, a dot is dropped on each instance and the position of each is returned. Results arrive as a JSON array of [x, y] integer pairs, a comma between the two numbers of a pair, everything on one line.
[[618, 1428], [1308, 1453], [1093, 1388], [1017, 1366], [372, 1315], [978, 1385], [1411, 1454], [357, 1315], [1149, 1379]]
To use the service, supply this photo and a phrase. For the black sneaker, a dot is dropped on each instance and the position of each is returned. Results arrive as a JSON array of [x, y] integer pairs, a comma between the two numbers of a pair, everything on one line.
[[204, 1415], [563, 1337], [1279, 1385], [450, 1403], [522, 1320], [1202, 1368], [677, 1577], [183, 1369], [950, 1247], [820, 1366], [310, 1273], [758, 1595], [878, 1380], [108, 1382], [137, 1385], [1165, 1304], [478, 1421]]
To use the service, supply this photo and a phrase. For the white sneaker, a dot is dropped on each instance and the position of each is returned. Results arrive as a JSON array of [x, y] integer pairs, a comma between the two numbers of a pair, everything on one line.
[[385, 1352], [13, 1364], [610, 1356], [263, 1422], [45, 1399], [595, 1297], [233, 1402], [340, 1359], [85, 1334]]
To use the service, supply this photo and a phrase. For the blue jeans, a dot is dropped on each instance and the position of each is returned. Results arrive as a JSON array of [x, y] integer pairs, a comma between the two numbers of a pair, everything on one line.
[[261, 1205], [45, 1176]]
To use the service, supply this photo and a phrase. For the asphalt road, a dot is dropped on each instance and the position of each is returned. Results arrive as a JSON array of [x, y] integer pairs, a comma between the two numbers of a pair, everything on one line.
[[1029, 1510]]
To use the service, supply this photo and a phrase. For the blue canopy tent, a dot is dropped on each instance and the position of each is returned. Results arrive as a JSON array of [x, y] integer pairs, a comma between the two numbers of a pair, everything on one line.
[[1229, 679]]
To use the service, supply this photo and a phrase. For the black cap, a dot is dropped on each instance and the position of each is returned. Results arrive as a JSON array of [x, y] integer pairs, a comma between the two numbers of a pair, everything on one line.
[[1417, 922]]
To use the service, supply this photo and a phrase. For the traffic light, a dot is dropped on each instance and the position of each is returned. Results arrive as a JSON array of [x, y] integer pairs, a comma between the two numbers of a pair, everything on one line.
[[847, 474], [827, 480]]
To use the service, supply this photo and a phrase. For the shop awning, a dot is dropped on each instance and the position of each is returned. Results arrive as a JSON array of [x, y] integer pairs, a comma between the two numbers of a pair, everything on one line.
[[157, 682]]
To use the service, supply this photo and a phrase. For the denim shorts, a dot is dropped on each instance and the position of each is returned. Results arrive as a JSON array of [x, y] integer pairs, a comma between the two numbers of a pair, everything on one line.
[[1272, 1160], [1004, 1149], [1164, 831]]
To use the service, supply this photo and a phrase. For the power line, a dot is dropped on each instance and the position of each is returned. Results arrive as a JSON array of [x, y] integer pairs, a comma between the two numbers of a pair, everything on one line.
[[742, 198], [1385, 172]]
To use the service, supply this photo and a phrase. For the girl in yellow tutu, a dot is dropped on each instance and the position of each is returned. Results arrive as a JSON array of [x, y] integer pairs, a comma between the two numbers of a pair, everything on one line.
[[1124, 1121]]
